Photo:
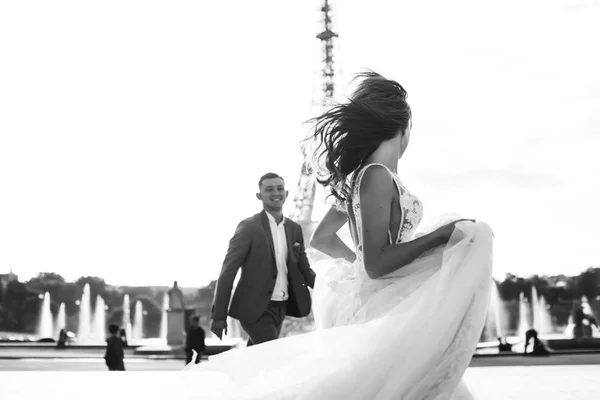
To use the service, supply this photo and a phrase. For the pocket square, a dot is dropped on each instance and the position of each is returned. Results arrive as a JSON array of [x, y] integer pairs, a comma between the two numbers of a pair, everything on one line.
[[296, 245]]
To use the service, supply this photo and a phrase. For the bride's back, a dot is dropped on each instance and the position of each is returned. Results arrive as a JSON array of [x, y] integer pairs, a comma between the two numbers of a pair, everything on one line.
[[405, 209]]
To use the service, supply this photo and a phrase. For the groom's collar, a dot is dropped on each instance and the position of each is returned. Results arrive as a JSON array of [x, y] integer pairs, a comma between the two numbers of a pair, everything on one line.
[[272, 218]]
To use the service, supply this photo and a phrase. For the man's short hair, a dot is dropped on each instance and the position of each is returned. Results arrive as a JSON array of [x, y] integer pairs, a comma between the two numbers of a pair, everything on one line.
[[268, 175], [113, 328]]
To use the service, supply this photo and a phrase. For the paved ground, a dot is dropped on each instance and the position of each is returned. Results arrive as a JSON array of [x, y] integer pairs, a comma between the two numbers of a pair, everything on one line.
[[558, 382], [561, 377], [518, 360], [565, 382], [87, 364], [138, 364], [7, 352], [90, 361]]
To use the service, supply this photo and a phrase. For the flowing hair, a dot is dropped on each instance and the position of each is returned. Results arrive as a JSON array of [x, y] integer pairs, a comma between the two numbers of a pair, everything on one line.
[[347, 134]]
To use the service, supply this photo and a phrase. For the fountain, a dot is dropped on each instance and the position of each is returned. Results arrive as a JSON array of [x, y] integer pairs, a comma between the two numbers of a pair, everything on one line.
[[44, 326], [542, 321], [91, 329], [85, 318], [535, 308], [98, 333], [523, 321], [126, 320], [163, 318], [61, 320], [497, 308], [138, 324], [535, 314], [496, 318]]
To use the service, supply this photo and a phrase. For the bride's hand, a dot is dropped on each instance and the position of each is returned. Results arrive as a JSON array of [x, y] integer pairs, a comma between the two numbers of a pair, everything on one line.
[[445, 232]]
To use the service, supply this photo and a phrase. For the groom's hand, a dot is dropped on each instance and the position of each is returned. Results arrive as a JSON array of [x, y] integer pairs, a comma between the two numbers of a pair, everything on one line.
[[217, 327]]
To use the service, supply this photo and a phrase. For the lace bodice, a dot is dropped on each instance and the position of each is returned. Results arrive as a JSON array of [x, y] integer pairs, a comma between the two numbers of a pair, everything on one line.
[[411, 210]]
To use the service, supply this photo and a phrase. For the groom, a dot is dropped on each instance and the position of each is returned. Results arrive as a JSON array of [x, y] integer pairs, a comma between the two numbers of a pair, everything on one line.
[[275, 271]]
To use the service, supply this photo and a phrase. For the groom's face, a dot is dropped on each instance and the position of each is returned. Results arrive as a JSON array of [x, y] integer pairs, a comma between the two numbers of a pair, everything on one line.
[[272, 193]]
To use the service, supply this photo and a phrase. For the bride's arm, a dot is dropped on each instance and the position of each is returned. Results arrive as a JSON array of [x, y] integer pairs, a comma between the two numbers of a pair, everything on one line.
[[326, 240], [380, 257]]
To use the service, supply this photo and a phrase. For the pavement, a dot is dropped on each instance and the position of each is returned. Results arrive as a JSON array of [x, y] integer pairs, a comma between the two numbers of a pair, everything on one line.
[[52, 373], [94, 362], [557, 382], [85, 364]]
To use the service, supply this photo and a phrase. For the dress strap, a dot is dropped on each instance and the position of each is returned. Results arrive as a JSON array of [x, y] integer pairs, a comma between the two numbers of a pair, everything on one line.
[[356, 201], [362, 171]]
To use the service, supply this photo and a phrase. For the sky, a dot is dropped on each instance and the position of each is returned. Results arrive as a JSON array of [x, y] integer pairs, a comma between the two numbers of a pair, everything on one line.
[[133, 133]]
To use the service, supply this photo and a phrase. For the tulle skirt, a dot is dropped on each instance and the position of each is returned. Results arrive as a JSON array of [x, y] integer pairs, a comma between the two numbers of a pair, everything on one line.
[[408, 335]]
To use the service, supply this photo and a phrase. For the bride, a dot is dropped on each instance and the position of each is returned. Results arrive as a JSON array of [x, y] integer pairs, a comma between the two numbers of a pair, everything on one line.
[[399, 317]]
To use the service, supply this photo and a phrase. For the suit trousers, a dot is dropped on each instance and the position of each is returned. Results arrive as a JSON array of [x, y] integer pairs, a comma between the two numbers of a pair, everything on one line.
[[268, 326]]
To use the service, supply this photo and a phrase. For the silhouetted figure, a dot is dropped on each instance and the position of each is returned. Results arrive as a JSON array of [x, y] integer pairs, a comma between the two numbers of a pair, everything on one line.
[[538, 349], [194, 341], [114, 350], [62, 340], [583, 323], [503, 345]]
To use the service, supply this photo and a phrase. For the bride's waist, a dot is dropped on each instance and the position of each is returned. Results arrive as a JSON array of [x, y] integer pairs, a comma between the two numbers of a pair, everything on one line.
[[341, 269]]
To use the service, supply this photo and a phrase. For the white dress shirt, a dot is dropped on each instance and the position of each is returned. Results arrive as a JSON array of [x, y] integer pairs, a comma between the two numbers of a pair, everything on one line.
[[280, 290]]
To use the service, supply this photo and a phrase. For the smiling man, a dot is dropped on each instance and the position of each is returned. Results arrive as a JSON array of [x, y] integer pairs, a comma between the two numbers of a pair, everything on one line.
[[275, 275]]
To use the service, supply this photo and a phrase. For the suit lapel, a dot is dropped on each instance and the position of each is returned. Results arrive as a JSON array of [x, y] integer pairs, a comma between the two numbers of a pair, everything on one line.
[[265, 223]]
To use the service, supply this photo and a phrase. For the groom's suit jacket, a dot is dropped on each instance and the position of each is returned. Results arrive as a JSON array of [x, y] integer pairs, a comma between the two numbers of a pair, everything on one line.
[[252, 249]]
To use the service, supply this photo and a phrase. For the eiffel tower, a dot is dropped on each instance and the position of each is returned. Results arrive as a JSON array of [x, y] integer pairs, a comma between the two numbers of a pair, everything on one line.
[[328, 75]]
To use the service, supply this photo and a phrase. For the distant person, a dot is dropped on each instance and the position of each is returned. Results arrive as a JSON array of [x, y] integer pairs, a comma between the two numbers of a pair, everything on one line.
[[114, 350], [503, 345], [538, 348], [62, 340], [194, 341], [583, 323]]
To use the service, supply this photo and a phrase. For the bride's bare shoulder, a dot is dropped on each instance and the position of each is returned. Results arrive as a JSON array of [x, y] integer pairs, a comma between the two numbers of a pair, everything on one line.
[[376, 183]]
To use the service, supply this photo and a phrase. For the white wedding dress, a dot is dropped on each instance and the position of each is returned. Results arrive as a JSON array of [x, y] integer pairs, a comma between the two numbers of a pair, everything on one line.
[[409, 335]]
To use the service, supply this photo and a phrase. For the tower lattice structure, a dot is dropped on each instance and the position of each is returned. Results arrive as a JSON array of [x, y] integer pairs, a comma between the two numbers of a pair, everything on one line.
[[302, 211]]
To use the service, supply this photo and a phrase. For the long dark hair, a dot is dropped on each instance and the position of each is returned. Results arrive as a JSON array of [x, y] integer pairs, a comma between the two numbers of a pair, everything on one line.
[[347, 134]]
